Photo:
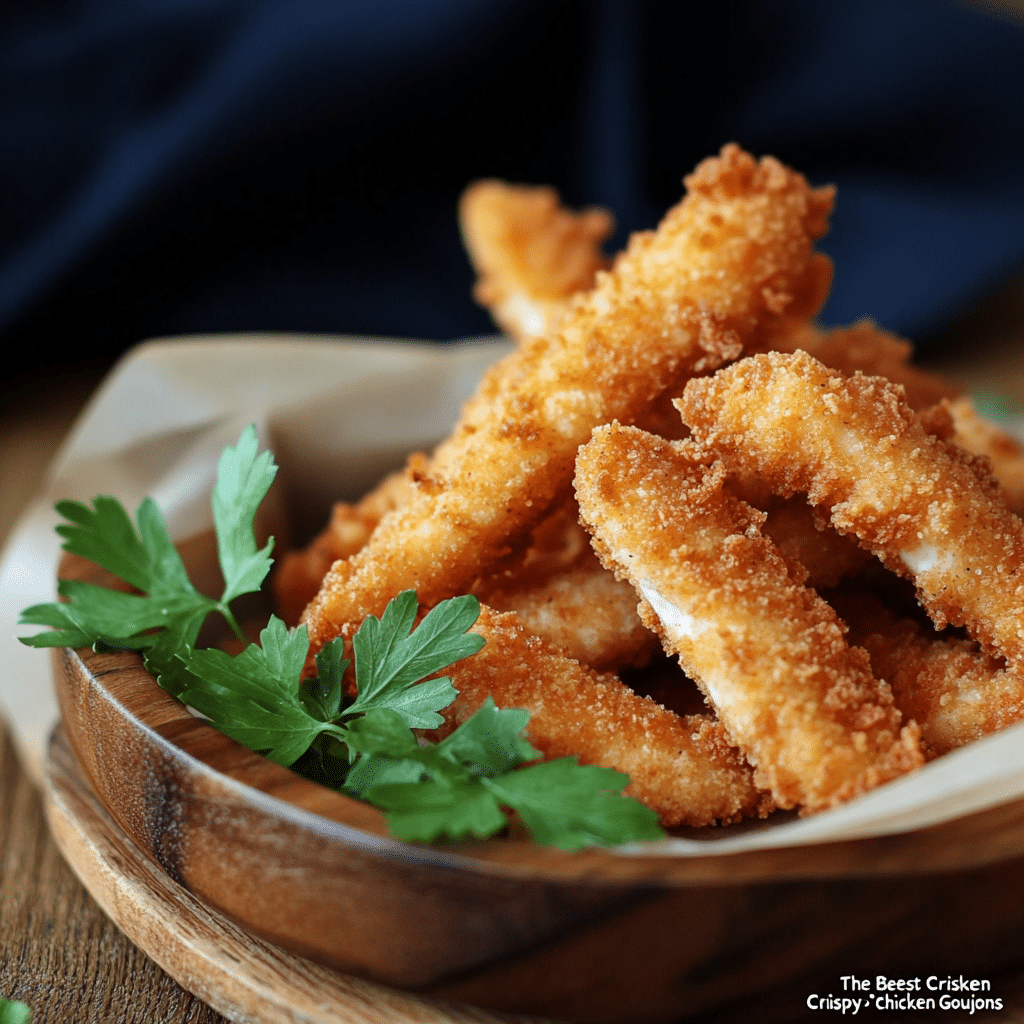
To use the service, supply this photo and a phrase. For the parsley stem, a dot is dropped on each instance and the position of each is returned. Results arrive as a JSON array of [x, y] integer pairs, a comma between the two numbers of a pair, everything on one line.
[[230, 619]]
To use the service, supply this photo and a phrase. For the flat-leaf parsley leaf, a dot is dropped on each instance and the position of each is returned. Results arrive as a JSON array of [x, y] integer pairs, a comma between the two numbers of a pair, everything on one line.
[[166, 617], [352, 725]]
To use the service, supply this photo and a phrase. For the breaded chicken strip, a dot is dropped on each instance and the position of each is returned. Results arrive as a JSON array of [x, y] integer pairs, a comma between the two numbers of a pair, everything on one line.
[[582, 608], [562, 593], [954, 692], [768, 653], [978, 435], [301, 572], [732, 264], [825, 556], [530, 253], [928, 510], [683, 768], [874, 352]]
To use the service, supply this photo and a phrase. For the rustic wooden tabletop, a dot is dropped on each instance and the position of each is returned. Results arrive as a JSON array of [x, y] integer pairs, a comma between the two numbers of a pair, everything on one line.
[[59, 952]]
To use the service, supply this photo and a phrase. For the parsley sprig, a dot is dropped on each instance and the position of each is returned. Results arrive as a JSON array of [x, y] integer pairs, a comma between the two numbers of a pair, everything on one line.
[[362, 743], [259, 699], [165, 619]]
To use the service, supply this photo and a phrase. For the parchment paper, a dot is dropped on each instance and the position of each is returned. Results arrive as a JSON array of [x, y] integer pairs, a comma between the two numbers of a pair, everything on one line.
[[339, 413]]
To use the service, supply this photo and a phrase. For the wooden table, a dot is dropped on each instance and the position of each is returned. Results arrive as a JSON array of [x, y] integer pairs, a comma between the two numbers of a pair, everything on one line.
[[58, 951]]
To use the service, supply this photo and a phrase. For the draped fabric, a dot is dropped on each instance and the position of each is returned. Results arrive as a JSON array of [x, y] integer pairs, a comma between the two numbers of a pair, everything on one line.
[[175, 166]]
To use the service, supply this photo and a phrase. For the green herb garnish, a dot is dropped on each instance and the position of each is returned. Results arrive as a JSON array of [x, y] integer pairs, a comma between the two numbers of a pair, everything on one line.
[[13, 1011], [363, 745], [166, 618]]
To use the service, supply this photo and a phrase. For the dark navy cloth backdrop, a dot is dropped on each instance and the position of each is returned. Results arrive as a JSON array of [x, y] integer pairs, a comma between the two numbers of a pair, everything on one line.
[[228, 165]]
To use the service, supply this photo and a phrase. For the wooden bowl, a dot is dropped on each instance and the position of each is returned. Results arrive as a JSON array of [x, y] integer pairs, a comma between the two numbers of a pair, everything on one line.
[[593, 936]]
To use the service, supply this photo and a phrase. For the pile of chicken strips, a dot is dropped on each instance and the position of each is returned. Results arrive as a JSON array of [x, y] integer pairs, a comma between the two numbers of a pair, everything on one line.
[[751, 563]]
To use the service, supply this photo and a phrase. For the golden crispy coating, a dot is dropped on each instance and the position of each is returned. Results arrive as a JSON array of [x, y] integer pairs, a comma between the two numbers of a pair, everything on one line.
[[300, 573], [954, 692], [662, 418], [557, 586], [530, 253], [583, 609], [927, 509], [768, 653], [874, 352], [731, 264], [563, 594], [980, 436], [812, 547], [950, 413], [683, 768], [817, 553]]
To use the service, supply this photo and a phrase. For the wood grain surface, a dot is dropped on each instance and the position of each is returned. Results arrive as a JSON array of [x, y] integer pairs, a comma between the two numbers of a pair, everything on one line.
[[251, 981], [514, 927], [59, 952]]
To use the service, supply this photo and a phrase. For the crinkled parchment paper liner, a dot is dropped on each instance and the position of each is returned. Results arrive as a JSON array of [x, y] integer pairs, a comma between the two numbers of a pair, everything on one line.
[[339, 413]]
